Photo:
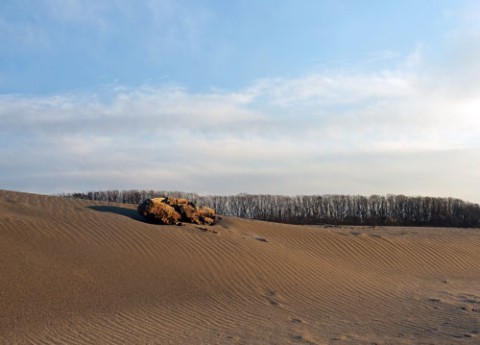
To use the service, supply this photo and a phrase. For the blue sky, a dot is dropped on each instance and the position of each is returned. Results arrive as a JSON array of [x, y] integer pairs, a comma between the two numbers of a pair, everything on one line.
[[281, 97], [58, 46]]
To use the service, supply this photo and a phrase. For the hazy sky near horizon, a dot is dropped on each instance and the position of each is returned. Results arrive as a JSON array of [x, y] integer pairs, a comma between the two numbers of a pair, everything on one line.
[[224, 97]]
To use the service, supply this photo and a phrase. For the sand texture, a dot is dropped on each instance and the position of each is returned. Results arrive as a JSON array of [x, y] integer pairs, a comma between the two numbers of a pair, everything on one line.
[[83, 272]]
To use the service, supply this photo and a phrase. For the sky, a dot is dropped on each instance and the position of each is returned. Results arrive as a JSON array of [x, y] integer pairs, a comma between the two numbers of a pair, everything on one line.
[[224, 97]]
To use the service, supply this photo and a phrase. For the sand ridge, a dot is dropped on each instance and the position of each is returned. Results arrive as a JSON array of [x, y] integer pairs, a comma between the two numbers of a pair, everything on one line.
[[83, 272]]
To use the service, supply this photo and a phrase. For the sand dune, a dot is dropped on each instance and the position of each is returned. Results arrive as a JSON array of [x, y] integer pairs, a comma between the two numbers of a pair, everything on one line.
[[82, 272]]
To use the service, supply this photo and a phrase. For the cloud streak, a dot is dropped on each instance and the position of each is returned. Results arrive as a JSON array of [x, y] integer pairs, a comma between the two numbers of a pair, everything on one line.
[[379, 111]]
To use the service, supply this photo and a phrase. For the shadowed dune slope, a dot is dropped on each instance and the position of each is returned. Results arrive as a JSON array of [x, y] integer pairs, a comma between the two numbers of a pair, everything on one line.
[[83, 272]]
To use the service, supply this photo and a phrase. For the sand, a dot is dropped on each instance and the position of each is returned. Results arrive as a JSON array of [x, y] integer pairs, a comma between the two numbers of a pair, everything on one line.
[[84, 272]]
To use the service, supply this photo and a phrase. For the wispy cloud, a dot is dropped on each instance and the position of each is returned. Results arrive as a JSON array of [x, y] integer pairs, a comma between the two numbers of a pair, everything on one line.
[[382, 55], [378, 111], [168, 26], [21, 35]]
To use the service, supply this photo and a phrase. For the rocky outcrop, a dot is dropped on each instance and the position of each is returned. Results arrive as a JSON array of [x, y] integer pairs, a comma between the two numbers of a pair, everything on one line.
[[175, 211]]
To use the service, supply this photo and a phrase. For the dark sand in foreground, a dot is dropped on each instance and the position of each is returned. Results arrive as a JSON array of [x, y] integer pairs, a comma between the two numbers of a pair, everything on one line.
[[83, 272]]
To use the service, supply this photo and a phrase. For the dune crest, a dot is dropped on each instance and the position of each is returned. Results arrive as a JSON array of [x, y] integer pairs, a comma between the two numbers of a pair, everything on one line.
[[84, 272]]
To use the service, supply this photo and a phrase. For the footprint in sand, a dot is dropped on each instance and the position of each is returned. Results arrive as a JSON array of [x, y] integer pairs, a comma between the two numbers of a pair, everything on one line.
[[261, 238], [272, 298], [303, 339]]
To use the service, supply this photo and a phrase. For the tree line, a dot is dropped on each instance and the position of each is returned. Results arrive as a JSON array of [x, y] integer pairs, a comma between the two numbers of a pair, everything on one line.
[[319, 209]]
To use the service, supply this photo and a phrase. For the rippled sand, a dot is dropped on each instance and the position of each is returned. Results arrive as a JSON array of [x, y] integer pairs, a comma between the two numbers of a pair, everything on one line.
[[83, 272]]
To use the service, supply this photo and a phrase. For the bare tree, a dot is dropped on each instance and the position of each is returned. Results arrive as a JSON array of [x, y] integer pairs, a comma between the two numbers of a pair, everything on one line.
[[320, 209]]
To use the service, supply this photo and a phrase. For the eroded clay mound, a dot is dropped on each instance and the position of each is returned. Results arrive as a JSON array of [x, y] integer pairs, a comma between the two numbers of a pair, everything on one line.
[[175, 211]]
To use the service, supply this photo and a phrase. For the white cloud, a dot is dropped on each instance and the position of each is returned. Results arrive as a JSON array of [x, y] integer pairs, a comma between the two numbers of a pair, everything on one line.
[[324, 133]]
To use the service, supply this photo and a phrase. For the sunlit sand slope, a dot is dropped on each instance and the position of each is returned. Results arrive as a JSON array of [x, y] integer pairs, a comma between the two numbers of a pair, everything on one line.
[[82, 272]]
